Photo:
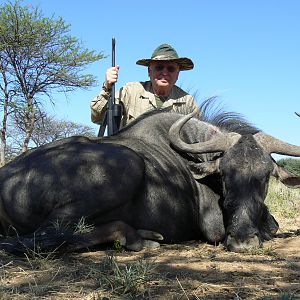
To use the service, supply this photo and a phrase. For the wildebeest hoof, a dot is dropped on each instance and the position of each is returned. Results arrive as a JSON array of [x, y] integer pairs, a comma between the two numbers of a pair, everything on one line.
[[147, 240], [151, 235], [150, 244], [136, 246], [142, 244]]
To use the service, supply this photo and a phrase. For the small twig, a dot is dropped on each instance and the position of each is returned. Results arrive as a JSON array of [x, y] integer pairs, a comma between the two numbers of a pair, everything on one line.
[[53, 277], [182, 288], [3, 266], [196, 296]]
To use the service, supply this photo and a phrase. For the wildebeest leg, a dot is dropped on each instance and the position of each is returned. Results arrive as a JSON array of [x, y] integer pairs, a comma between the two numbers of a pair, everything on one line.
[[128, 237], [63, 240], [269, 226], [211, 217], [41, 241]]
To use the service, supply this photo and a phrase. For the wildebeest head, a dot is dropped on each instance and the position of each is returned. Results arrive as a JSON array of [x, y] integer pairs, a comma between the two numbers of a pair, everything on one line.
[[245, 167]]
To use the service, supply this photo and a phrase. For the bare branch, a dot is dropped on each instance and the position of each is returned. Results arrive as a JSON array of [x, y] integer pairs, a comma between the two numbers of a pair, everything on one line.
[[37, 56]]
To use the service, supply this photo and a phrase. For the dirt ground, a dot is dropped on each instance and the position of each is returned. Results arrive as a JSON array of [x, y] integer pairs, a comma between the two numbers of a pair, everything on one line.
[[191, 270], [200, 271]]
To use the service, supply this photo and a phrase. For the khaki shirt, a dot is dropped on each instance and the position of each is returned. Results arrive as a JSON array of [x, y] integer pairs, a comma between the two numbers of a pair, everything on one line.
[[137, 98]]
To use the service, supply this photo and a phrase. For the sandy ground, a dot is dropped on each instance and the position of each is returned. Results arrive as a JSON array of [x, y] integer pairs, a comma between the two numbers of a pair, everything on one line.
[[191, 270]]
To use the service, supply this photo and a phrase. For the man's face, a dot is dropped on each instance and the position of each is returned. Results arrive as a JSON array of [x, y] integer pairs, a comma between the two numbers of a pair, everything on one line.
[[163, 73]]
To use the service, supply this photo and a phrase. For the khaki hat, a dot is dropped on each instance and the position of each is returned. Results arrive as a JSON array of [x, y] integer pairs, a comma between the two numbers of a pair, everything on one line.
[[166, 52]]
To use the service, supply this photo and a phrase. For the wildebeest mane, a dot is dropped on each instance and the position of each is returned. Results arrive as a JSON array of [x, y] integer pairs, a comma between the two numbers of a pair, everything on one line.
[[213, 113]]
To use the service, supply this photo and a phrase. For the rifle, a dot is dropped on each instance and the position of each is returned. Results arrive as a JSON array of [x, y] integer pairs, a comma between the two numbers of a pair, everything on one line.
[[113, 113]]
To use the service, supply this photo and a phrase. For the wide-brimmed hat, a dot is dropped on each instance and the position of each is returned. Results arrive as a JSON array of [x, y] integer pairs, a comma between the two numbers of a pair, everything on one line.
[[166, 52]]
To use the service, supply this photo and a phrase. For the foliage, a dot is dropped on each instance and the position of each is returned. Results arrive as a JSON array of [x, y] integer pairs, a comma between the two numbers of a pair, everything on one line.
[[39, 53], [290, 164], [37, 56], [83, 227], [47, 129]]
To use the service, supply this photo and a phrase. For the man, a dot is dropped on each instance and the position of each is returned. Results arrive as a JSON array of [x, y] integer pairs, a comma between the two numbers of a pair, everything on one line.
[[139, 97]]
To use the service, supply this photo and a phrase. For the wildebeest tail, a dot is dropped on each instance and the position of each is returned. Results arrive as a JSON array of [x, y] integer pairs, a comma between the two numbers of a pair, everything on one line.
[[42, 242]]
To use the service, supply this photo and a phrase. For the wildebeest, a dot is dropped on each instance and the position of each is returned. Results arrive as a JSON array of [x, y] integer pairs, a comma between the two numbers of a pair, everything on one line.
[[164, 175]]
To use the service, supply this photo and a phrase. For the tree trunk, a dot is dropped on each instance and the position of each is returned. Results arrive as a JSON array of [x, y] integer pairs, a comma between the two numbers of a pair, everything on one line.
[[30, 119], [3, 131], [2, 151]]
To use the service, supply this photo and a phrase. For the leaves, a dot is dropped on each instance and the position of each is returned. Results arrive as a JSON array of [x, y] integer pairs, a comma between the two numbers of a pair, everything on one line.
[[290, 164], [37, 55]]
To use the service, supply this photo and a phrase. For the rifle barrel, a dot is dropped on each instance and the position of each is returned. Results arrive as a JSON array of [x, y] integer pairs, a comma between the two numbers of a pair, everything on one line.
[[113, 63]]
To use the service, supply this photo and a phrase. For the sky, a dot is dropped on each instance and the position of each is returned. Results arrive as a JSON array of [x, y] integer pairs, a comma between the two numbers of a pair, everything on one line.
[[247, 53]]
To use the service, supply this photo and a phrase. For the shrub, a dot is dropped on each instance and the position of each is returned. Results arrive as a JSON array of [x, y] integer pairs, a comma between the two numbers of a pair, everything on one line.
[[290, 164]]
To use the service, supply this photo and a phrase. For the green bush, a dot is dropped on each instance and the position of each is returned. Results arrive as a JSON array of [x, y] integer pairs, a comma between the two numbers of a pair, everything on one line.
[[290, 164]]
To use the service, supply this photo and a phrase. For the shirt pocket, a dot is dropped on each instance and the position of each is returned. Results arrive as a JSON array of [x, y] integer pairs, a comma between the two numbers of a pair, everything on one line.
[[138, 107]]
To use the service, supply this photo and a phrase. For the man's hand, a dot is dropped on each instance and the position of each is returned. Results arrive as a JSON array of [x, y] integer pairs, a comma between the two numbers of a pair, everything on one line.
[[111, 76]]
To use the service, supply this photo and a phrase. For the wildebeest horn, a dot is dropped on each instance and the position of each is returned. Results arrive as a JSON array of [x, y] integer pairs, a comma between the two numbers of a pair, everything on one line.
[[221, 142], [273, 145]]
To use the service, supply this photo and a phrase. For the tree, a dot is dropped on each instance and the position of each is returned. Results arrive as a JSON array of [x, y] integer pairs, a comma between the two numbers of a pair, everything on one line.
[[47, 129], [290, 164], [37, 56]]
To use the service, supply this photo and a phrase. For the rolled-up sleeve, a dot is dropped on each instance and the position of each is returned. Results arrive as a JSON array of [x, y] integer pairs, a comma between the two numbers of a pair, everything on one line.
[[99, 107]]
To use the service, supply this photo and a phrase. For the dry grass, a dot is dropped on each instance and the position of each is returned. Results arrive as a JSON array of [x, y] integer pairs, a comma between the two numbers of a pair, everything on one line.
[[187, 271], [282, 201]]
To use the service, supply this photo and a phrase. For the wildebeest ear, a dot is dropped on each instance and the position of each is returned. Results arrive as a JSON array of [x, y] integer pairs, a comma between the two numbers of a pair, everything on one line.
[[287, 178], [201, 170]]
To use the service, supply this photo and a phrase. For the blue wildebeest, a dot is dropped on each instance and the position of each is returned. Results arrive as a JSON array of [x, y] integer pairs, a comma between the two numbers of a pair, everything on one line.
[[165, 176]]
